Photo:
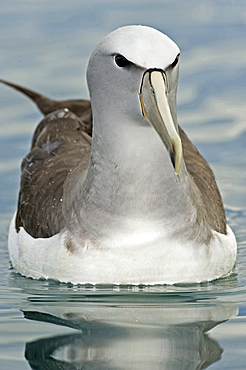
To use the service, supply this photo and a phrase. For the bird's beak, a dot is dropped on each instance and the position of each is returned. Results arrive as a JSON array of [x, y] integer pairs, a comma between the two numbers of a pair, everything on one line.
[[155, 108]]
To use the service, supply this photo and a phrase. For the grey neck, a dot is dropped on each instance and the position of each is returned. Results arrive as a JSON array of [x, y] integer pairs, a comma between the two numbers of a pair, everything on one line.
[[130, 177]]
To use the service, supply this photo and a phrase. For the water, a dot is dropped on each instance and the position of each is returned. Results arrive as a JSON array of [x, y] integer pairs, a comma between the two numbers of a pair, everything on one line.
[[45, 45]]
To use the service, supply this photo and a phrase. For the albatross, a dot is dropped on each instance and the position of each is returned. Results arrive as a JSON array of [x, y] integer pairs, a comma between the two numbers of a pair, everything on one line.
[[112, 190]]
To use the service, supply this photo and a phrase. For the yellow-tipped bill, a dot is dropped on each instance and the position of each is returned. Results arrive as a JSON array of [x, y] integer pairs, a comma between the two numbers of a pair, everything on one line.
[[155, 108]]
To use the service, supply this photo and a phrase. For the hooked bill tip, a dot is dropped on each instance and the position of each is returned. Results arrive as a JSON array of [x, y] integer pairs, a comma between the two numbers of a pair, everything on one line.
[[171, 153]]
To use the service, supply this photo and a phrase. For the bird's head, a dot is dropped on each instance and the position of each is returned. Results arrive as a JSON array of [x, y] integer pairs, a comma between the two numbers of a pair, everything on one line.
[[135, 70]]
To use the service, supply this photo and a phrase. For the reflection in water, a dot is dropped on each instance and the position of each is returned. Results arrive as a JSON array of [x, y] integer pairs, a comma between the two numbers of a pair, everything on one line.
[[126, 335]]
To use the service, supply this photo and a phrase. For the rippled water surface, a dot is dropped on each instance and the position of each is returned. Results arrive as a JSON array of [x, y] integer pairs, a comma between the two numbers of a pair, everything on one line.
[[45, 45]]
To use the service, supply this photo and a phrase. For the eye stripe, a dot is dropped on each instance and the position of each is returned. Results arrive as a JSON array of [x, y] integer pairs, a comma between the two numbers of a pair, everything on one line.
[[121, 61], [175, 62]]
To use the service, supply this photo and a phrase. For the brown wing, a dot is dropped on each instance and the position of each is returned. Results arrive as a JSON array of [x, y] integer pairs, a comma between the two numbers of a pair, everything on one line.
[[46, 165], [60, 145], [204, 178], [82, 108]]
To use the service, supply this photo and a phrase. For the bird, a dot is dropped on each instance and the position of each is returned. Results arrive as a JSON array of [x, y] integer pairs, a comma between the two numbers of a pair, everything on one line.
[[113, 191]]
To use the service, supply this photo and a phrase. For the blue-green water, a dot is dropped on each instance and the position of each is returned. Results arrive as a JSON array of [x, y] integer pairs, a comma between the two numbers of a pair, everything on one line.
[[45, 45]]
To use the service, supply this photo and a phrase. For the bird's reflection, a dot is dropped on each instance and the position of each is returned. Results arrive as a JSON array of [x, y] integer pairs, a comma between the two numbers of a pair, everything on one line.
[[130, 336]]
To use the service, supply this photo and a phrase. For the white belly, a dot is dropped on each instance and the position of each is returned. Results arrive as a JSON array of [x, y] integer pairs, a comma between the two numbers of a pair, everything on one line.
[[162, 262]]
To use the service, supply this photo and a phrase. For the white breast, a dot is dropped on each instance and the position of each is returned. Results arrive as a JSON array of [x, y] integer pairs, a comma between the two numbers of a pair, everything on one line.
[[161, 262]]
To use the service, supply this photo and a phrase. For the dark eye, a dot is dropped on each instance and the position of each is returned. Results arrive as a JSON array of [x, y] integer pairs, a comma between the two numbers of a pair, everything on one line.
[[175, 62], [121, 61]]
